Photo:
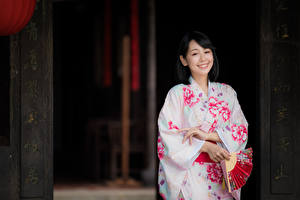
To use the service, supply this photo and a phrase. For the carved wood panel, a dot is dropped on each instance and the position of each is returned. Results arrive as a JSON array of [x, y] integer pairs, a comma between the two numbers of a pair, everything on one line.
[[280, 93], [36, 104], [26, 162]]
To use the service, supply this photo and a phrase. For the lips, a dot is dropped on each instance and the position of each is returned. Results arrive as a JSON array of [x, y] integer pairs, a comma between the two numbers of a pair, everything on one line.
[[203, 66]]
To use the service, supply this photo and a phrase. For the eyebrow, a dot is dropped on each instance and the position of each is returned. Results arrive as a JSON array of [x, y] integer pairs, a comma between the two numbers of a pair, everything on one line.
[[194, 49]]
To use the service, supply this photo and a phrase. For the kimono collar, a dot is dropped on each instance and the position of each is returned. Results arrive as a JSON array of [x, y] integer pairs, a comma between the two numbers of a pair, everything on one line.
[[195, 85]]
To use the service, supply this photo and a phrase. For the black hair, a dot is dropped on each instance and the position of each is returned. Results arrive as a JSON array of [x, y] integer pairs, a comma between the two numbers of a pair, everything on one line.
[[183, 73]]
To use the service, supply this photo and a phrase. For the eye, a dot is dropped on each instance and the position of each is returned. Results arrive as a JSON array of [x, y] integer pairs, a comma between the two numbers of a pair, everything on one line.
[[207, 52], [193, 54]]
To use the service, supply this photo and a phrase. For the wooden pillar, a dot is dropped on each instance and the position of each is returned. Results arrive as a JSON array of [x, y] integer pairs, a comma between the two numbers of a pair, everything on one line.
[[279, 102], [149, 174], [36, 104], [125, 107], [26, 168]]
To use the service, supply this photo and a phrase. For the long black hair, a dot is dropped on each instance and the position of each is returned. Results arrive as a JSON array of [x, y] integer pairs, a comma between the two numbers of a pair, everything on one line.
[[183, 72]]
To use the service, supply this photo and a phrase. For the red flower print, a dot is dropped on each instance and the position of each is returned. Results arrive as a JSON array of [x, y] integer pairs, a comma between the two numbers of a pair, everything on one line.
[[160, 148], [172, 126], [225, 113], [222, 104], [239, 133], [213, 101], [243, 132], [234, 132], [219, 107], [213, 111], [213, 126], [189, 97], [214, 105], [214, 173]]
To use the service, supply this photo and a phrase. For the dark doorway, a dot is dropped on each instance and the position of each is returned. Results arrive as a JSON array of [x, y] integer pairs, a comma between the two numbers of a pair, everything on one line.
[[72, 64], [84, 105], [231, 25], [5, 91]]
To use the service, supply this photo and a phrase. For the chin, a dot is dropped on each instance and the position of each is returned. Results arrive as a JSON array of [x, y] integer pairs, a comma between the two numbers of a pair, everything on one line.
[[203, 72]]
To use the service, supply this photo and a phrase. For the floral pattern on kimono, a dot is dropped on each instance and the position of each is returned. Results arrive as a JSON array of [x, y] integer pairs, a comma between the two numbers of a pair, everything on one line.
[[179, 176]]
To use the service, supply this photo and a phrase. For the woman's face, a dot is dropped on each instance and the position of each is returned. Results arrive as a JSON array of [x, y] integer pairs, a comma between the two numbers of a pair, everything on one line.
[[200, 60]]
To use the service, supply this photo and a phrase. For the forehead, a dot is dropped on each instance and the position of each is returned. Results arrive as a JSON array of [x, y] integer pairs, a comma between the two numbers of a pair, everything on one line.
[[194, 45]]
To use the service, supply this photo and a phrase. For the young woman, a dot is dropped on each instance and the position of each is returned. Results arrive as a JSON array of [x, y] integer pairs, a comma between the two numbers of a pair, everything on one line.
[[200, 123]]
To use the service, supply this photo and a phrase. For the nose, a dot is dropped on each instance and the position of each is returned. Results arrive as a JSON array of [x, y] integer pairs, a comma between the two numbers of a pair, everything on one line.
[[202, 57]]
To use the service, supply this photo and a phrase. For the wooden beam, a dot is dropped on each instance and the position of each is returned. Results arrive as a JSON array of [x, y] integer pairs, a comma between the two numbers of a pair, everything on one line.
[[125, 107]]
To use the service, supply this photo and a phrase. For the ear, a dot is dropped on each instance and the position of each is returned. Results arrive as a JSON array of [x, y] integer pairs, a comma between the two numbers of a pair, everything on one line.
[[183, 60]]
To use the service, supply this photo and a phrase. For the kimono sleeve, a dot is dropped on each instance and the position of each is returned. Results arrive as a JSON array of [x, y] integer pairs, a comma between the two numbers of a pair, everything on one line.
[[171, 151], [234, 132]]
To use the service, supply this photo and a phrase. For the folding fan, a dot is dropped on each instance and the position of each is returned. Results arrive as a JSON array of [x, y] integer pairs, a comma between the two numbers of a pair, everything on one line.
[[237, 169]]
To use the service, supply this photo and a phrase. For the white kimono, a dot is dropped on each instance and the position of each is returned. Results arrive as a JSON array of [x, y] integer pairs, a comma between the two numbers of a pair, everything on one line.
[[180, 177]]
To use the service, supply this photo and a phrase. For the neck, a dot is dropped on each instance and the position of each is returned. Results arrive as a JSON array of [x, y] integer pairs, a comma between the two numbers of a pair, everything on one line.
[[201, 81]]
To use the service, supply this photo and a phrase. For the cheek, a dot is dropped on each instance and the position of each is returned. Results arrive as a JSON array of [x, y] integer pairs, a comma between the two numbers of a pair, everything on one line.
[[211, 58], [192, 60]]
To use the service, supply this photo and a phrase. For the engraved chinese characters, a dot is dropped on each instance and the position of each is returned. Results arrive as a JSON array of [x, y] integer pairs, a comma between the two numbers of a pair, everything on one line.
[[283, 70], [36, 93]]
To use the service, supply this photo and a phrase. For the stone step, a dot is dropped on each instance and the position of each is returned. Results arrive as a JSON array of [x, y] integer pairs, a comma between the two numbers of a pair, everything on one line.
[[105, 194]]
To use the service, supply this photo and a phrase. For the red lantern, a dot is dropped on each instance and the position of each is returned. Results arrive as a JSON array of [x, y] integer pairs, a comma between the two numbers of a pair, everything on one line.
[[14, 15]]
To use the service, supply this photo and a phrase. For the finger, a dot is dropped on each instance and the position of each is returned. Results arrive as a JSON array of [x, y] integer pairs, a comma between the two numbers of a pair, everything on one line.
[[211, 157], [216, 159], [226, 152], [190, 139], [226, 155], [183, 129], [185, 138], [192, 132], [220, 156], [189, 133], [223, 154]]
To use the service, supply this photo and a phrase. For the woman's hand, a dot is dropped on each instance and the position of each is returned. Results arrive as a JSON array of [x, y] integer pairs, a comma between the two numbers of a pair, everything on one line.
[[193, 132], [215, 152]]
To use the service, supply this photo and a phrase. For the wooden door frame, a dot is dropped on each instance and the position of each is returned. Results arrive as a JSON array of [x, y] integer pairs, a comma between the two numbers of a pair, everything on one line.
[[279, 90], [32, 106]]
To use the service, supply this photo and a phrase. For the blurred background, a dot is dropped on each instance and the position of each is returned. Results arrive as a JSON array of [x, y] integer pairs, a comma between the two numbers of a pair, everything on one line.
[[88, 38]]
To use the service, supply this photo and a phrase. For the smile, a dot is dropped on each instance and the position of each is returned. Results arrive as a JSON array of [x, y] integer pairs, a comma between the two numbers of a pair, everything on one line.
[[203, 66]]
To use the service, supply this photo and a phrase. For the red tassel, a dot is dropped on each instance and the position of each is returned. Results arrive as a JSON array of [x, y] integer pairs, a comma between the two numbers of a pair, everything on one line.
[[135, 54]]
